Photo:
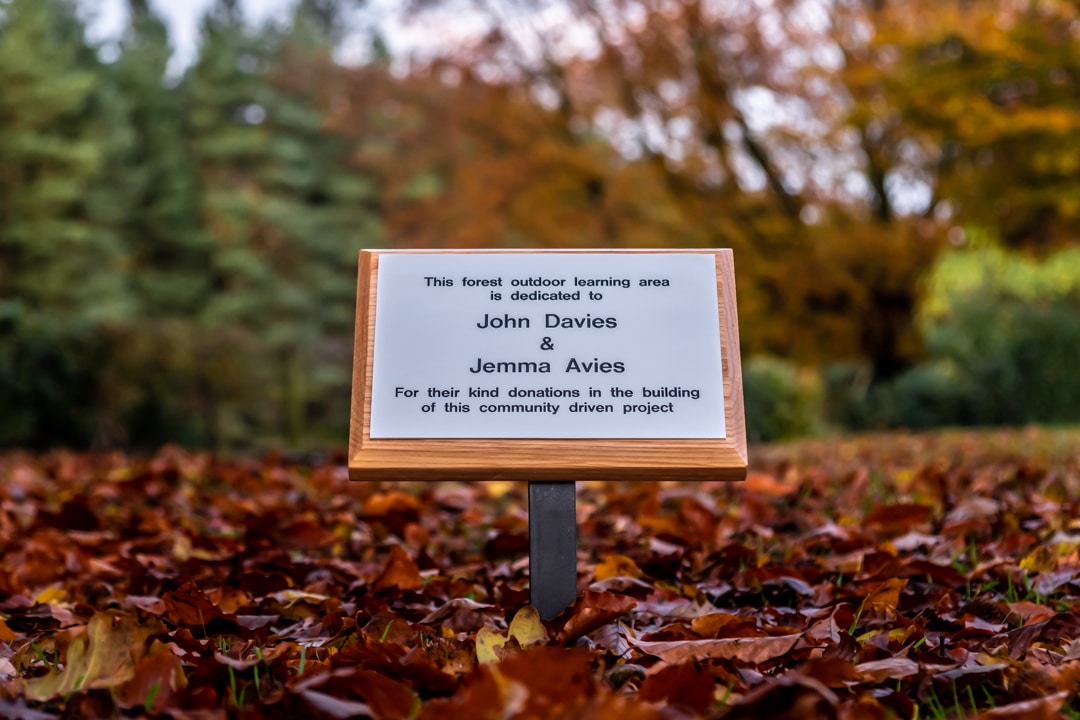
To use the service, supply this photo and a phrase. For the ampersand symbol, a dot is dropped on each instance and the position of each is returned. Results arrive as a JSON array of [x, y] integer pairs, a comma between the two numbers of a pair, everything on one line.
[[546, 344]]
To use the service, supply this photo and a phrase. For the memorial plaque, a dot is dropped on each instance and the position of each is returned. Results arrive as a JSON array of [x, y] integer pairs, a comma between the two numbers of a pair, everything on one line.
[[547, 365]]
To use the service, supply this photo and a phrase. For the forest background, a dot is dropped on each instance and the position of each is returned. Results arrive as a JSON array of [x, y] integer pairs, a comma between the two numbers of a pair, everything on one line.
[[899, 179]]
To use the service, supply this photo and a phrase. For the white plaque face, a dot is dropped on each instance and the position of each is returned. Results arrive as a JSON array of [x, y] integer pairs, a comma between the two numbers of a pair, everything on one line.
[[552, 345]]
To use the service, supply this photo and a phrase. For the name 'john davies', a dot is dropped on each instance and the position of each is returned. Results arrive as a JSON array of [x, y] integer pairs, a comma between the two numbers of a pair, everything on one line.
[[551, 320]]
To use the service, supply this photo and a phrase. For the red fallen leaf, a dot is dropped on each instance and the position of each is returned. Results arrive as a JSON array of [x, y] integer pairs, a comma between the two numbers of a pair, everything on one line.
[[613, 639], [459, 614], [974, 507], [894, 520], [755, 578], [156, 683], [1050, 581], [944, 575], [254, 659], [893, 668], [306, 532], [395, 508], [400, 572], [331, 707], [694, 516], [152, 605], [188, 606], [789, 697], [554, 678], [1031, 612], [229, 599], [255, 622], [1044, 708], [866, 707], [830, 671], [413, 667], [685, 685], [753, 650], [760, 483], [624, 586], [391, 629], [969, 670], [387, 698], [482, 697], [608, 706], [676, 631], [883, 600], [593, 610], [1062, 625]]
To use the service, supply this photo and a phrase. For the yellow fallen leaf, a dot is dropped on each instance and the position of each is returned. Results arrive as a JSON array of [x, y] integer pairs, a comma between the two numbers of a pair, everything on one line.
[[616, 565], [1041, 559], [290, 597], [102, 657], [901, 635], [487, 641], [182, 547], [51, 596], [527, 628], [883, 600], [498, 488]]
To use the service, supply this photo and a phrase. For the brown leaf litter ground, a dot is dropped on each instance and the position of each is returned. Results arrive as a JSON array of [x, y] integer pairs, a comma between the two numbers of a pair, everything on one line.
[[887, 576]]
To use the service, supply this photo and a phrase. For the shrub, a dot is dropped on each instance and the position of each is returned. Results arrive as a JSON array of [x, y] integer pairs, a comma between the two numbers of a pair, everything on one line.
[[1002, 334], [781, 400]]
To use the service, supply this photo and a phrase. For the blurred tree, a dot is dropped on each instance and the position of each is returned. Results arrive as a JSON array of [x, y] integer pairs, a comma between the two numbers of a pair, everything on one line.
[[170, 250], [285, 213], [315, 213], [326, 20], [62, 266], [970, 110], [476, 164], [225, 147], [723, 115], [151, 196]]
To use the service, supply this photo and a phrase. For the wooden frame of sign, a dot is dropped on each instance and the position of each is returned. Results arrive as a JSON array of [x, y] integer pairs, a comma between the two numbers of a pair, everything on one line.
[[532, 447], [548, 367]]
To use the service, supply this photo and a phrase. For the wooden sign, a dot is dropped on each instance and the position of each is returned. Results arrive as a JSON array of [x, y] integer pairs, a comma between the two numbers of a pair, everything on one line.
[[547, 365]]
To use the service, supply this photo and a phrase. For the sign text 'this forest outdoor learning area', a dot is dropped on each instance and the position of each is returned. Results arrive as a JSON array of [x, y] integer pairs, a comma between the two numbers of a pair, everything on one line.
[[588, 357]]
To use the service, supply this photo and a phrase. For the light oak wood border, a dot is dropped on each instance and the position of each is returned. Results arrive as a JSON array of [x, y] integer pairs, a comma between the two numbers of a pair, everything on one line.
[[546, 459]]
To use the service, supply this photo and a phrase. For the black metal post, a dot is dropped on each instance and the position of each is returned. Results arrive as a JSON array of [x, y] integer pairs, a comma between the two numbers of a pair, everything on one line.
[[552, 546]]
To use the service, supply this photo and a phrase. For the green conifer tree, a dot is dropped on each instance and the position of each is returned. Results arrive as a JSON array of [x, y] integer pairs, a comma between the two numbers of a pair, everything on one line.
[[62, 267]]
